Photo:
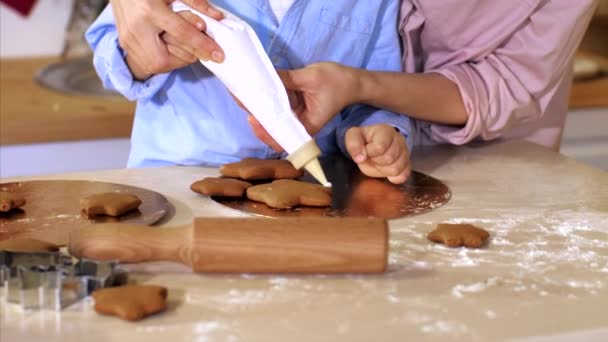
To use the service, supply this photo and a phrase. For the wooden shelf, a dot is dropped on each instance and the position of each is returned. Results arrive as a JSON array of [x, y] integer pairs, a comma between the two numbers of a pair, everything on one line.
[[593, 93], [30, 113]]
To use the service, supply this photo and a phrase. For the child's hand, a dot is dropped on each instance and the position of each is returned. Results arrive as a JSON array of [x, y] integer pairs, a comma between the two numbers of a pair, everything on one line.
[[379, 151]]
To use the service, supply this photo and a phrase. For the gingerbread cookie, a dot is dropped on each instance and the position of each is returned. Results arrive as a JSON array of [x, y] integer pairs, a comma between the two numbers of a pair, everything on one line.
[[27, 245], [225, 187], [10, 201], [456, 235], [109, 203], [288, 193], [131, 302], [252, 169]]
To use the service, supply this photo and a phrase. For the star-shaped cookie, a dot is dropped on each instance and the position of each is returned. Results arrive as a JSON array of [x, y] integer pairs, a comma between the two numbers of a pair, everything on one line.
[[255, 169], [288, 193], [109, 203], [131, 302], [456, 235], [225, 187]]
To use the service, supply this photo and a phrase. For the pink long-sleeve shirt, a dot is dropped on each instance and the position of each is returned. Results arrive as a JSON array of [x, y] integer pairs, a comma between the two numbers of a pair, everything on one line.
[[511, 59]]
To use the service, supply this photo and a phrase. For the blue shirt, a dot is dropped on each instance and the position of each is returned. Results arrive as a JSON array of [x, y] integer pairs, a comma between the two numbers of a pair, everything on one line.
[[187, 117]]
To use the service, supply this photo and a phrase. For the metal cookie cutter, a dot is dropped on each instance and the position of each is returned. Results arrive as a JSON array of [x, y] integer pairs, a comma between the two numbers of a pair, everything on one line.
[[50, 280]]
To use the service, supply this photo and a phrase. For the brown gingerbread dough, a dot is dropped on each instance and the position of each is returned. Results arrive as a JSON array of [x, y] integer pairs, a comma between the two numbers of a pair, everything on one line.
[[10, 201], [288, 193], [225, 187], [109, 203], [255, 169], [27, 245], [131, 302], [456, 235]]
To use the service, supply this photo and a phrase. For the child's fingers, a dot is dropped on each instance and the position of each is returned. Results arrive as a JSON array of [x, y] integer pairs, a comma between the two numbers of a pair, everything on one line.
[[394, 169], [378, 142], [392, 154], [370, 170], [401, 177], [355, 144]]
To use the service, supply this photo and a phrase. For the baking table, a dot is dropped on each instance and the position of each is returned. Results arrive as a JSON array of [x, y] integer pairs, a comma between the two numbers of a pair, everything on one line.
[[543, 277]]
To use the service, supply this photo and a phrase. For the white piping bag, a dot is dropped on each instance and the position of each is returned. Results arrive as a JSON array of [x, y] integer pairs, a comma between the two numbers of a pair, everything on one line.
[[250, 76]]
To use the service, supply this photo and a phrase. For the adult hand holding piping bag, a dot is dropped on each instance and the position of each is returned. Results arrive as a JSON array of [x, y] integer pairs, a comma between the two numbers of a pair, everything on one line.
[[144, 25]]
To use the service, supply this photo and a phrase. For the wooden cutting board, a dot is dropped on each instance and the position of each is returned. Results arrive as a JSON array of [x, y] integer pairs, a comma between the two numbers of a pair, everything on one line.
[[52, 210]]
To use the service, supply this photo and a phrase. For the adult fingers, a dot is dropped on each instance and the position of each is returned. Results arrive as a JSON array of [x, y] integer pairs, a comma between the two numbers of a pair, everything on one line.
[[204, 6], [295, 101], [355, 144], [297, 79], [239, 103], [261, 133], [189, 37], [286, 78], [183, 55], [194, 20], [174, 49]]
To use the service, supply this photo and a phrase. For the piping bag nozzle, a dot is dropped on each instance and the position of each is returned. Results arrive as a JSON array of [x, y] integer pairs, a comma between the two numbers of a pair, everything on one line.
[[307, 156]]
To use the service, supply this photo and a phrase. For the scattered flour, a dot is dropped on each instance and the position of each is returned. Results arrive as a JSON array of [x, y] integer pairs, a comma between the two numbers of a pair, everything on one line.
[[458, 290]]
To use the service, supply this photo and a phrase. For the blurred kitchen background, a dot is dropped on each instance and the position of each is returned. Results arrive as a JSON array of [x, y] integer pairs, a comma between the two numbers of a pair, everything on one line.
[[55, 117]]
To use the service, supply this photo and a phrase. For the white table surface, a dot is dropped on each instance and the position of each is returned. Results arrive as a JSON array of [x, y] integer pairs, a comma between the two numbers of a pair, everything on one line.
[[543, 276]]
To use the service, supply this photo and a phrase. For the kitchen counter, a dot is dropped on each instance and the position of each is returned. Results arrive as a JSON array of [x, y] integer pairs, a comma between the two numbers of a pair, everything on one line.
[[543, 276], [30, 113]]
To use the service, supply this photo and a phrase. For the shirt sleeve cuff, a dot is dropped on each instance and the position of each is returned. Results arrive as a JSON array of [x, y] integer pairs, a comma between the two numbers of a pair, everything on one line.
[[109, 61]]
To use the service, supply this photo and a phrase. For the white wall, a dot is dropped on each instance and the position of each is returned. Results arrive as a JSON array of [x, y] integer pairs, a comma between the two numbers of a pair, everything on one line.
[[40, 34]]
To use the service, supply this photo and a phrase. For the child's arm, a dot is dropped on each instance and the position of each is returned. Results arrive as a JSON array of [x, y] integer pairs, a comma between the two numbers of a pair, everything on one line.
[[110, 63]]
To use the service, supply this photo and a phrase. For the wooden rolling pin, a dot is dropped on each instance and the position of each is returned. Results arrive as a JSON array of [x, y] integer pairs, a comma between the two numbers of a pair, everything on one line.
[[245, 245]]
